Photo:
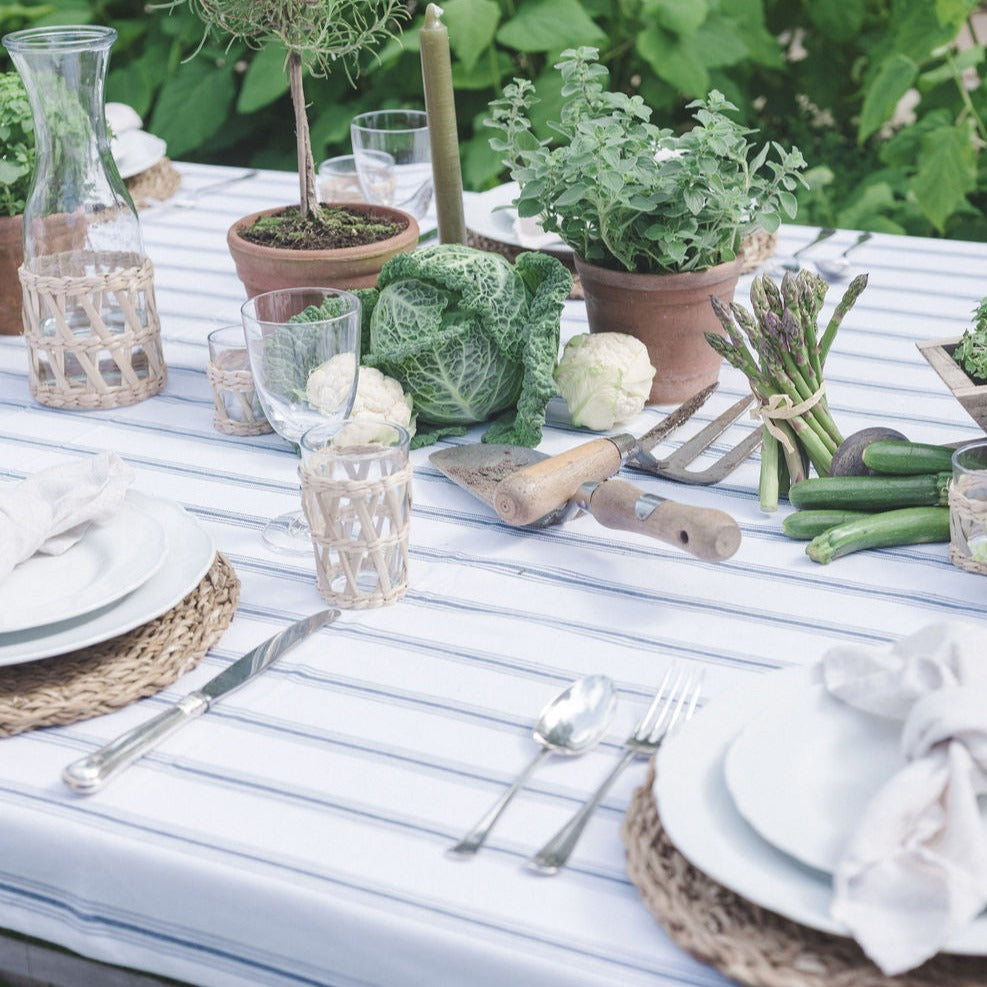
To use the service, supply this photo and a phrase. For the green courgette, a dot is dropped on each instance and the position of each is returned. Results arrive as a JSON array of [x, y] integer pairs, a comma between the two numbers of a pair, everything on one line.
[[804, 525], [907, 458], [871, 493], [907, 526]]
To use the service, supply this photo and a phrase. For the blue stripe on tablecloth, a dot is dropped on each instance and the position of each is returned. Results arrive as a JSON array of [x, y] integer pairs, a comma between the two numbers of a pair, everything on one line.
[[84, 912]]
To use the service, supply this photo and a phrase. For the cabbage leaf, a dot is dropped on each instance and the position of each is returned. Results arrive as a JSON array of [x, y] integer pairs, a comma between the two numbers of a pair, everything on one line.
[[469, 336]]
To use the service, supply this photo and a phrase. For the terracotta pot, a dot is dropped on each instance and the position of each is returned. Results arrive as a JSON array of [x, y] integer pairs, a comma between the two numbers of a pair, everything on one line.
[[11, 258], [263, 268], [669, 313]]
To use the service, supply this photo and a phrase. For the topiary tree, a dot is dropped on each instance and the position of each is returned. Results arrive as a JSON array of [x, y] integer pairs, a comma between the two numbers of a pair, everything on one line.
[[316, 34]]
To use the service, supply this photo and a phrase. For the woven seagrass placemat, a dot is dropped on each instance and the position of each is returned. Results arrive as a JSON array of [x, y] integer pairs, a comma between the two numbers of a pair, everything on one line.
[[160, 181], [749, 944], [108, 676]]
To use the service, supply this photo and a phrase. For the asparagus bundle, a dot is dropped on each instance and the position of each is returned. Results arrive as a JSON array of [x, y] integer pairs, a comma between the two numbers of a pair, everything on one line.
[[779, 349]]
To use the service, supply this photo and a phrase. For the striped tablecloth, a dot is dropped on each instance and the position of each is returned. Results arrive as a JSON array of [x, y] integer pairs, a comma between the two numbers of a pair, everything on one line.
[[295, 834]]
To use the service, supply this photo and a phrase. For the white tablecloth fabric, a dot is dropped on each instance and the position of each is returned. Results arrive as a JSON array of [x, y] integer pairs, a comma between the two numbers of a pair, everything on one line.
[[295, 834]]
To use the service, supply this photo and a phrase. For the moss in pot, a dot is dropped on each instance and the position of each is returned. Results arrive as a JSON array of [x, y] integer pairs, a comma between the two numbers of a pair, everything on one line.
[[648, 213], [316, 36], [16, 169]]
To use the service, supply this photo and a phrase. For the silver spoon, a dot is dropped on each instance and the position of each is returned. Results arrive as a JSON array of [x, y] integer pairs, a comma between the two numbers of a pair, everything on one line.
[[837, 267], [572, 723], [791, 263]]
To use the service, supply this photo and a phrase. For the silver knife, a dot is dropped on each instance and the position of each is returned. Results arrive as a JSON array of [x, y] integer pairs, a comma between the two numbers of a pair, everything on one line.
[[93, 771]]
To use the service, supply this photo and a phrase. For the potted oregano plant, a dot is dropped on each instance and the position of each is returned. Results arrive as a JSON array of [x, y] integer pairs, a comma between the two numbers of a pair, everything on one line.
[[655, 218], [332, 244], [16, 169]]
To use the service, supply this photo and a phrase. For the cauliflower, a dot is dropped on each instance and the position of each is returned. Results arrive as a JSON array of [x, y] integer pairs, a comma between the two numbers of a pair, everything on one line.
[[377, 396], [604, 378]]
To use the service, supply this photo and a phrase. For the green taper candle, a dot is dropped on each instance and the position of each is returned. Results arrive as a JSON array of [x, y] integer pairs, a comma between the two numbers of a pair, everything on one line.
[[440, 105]]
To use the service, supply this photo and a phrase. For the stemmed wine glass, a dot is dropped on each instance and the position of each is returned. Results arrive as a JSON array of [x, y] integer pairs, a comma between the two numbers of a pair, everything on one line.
[[290, 333]]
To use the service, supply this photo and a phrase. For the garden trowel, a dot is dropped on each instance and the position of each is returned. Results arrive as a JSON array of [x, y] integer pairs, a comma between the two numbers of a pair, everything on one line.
[[704, 532]]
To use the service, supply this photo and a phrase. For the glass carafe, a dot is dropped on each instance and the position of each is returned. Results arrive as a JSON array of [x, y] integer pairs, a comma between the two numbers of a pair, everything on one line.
[[90, 318]]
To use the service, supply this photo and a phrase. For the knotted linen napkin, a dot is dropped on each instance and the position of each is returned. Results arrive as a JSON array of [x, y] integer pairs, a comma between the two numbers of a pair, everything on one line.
[[51, 510], [915, 869]]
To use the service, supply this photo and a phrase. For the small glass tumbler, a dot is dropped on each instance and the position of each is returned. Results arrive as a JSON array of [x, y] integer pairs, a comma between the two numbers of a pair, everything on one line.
[[338, 180], [238, 408], [356, 493], [968, 508], [394, 159]]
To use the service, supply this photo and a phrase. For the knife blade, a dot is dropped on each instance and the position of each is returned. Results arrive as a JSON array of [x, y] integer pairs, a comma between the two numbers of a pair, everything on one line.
[[90, 773]]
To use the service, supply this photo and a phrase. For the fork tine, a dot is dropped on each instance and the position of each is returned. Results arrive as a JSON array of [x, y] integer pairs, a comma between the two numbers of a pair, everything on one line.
[[657, 728], [691, 686], [704, 438], [643, 727]]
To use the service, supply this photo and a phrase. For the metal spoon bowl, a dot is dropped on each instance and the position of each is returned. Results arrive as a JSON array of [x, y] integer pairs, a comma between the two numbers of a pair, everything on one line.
[[780, 265], [836, 268], [572, 723]]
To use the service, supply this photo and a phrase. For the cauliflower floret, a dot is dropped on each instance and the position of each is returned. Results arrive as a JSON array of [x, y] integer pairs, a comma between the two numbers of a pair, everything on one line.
[[377, 396], [604, 378]]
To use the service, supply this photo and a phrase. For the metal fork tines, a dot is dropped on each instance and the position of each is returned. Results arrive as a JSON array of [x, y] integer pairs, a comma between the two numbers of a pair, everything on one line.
[[676, 465], [673, 704]]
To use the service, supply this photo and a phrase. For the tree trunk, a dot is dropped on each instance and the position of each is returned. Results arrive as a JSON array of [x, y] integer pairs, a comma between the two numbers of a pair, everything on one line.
[[308, 193]]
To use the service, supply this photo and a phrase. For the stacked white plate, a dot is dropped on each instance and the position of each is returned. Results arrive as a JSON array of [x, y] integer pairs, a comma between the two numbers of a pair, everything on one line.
[[118, 576], [491, 215], [763, 787]]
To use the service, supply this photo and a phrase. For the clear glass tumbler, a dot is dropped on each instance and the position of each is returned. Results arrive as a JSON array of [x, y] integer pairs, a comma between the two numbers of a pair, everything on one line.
[[356, 493], [968, 507], [394, 159]]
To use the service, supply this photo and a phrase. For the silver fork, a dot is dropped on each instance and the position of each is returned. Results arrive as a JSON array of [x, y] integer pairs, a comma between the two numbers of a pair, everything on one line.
[[672, 704]]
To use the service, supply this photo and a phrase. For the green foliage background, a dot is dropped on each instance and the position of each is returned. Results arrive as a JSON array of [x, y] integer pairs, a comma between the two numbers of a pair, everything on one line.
[[826, 75]]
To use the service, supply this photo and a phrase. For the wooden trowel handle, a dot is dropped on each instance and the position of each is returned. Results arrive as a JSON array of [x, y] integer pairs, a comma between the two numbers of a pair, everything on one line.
[[533, 491], [702, 531]]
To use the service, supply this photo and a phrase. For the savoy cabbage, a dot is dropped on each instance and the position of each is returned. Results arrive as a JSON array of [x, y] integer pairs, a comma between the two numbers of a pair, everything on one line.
[[469, 336]]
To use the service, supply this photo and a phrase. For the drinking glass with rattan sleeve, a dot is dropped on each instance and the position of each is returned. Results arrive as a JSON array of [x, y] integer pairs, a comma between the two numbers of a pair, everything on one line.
[[356, 494], [238, 408]]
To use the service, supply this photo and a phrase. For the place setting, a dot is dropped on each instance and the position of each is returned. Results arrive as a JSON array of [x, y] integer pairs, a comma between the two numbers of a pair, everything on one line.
[[106, 594], [779, 832]]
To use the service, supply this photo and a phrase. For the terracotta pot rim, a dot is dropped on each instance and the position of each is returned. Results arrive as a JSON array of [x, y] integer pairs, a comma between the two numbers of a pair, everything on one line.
[[692, 279], [408, 234]]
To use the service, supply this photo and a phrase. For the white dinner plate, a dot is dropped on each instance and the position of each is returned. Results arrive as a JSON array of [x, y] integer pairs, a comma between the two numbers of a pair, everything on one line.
[[135, 151], [703, 823], [491, 215], [189, 553], [109, 561], [803, 773]]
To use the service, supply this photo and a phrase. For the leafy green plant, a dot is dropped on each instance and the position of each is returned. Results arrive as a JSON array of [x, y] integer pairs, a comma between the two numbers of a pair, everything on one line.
[[469, 336], [312, 33], [624, 193], [16, 145], [971, 351]]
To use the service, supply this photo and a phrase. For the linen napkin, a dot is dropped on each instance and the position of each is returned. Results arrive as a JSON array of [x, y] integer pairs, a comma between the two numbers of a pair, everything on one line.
[[915, 870], [51, 510]]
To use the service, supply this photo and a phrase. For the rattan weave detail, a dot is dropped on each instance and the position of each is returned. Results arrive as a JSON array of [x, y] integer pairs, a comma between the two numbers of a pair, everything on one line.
[[239, 386], [108, 366], [159, 182], [118, 672], [749, 944]]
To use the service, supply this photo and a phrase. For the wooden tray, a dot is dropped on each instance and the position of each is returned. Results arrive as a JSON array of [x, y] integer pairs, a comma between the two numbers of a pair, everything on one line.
[[973, 397]]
